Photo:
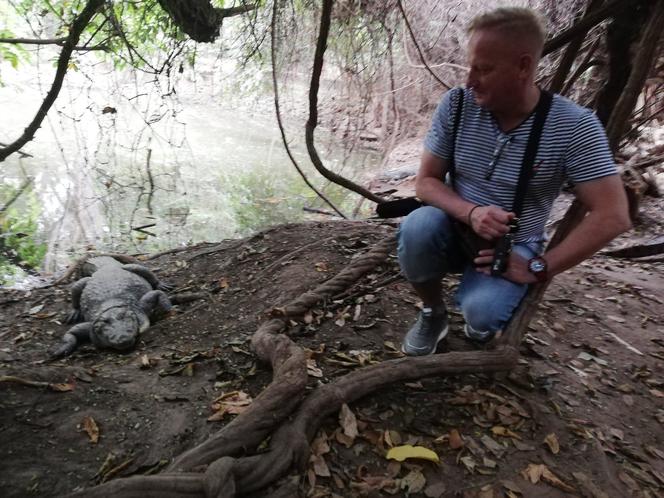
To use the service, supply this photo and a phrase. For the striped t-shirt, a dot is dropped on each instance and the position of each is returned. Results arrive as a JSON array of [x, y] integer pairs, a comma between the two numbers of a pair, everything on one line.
[[573, 146]]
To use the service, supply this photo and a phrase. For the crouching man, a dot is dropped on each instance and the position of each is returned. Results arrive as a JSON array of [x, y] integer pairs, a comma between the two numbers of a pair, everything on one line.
[[478, 139]]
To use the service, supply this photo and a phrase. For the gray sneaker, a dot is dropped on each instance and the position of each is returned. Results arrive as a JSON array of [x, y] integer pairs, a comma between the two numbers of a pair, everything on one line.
[[425, 335], [478, 335]]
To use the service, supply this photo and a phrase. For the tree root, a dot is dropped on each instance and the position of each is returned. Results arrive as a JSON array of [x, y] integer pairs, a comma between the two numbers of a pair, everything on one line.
[[289, 447]]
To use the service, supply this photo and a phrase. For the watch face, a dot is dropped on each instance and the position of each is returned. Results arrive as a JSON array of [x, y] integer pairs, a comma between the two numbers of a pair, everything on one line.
[[537, 266]]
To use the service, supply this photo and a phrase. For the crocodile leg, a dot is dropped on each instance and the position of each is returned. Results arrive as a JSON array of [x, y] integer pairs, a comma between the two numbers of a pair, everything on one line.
[[76, 291], [73, 337], [155, 304], [152, 279]]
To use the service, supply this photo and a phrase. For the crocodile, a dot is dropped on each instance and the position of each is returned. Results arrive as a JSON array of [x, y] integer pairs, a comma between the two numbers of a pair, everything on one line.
[[115, 303]]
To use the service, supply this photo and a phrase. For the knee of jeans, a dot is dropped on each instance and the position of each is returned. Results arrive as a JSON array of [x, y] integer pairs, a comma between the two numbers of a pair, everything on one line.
[[423, 230], [480, 313]]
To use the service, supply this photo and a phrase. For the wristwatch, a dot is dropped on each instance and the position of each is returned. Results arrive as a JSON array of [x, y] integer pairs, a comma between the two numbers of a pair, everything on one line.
[[537, 266]]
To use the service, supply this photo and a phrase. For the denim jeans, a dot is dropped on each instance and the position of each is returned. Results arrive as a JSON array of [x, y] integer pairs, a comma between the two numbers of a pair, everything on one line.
[[428, 249]]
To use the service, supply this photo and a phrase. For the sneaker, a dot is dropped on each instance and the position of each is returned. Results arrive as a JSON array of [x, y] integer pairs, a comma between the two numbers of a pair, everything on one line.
[[478, 335], [425, 335]]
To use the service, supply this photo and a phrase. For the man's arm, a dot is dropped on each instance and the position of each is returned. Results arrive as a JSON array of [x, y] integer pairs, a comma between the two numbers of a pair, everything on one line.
[[607, 217], [487, 221]]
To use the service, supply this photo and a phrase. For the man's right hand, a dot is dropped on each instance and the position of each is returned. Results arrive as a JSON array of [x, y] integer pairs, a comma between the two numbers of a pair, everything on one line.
[[490, 222]]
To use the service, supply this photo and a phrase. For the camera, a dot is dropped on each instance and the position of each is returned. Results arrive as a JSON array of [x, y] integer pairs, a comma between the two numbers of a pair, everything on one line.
[[503, 249]]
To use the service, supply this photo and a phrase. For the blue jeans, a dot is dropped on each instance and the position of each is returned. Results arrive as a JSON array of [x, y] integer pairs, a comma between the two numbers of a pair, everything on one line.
[[428, 249]]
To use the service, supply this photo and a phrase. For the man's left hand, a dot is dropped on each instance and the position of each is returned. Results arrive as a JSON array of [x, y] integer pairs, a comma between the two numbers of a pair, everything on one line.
[[517, 267]]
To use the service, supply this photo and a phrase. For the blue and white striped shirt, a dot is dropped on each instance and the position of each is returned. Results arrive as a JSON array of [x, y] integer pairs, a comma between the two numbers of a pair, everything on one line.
[[573, 146]]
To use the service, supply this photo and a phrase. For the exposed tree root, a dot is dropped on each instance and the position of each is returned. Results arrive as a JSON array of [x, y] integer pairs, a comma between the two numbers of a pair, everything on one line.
[[289, 447]]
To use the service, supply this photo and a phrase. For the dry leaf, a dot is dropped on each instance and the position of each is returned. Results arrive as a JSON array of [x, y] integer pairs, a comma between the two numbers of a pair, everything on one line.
[[401, 453], [90, 426], [469, 463], [552, 442], [320, 466], [61, 388], [312, 369], [499, 430], [534, 473], [414, 481], [455, 439], [348, 421], [321, 266], [234, 402]]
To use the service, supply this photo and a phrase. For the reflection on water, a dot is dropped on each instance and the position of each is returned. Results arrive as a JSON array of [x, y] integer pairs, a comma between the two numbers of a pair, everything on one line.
[[118, 166]]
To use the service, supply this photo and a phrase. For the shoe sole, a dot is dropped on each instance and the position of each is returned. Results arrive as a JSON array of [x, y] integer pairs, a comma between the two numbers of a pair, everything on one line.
[[489, 338], [441, 336]]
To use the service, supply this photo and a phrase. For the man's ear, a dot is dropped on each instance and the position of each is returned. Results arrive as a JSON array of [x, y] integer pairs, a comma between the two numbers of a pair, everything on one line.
[[526, 64]]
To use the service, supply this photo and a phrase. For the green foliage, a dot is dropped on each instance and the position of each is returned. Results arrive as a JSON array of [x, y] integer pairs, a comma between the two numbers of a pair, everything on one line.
[[18, 228], [137, 34]]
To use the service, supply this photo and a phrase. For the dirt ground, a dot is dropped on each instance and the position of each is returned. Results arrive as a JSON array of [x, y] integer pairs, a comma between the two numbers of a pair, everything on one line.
[[582, 415]]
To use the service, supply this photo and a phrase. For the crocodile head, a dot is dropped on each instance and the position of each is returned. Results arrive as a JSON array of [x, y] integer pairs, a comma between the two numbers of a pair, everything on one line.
[[118, 327]]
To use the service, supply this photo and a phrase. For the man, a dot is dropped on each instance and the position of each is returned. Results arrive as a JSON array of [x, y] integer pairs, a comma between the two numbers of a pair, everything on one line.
[[497, 114]]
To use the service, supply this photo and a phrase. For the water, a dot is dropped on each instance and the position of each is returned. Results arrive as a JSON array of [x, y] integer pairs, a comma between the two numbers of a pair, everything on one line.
[[129, 163]]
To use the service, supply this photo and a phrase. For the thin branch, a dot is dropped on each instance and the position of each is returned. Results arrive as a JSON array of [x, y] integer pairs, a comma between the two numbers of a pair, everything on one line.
[[321, 46], [278, 113], [596, 17], [18, 193], [568, 58], [77, 28], [51, 41], [417, 47], [583, 66]]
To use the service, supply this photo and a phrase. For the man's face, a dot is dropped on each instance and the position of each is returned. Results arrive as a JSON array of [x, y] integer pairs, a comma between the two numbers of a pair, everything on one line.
[[495, 70]]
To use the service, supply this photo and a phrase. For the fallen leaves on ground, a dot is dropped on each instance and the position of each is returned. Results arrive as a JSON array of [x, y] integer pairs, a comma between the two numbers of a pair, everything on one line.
[[91, 428], [234, 402], [348, 422], [401, 453], [536, 472], [552, 442]]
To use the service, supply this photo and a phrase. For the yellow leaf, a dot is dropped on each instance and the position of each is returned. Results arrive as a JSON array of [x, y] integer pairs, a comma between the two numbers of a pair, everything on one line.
[[401, 453]]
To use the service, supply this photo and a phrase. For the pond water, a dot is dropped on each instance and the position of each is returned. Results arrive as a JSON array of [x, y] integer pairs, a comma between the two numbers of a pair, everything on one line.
[[127, 162]]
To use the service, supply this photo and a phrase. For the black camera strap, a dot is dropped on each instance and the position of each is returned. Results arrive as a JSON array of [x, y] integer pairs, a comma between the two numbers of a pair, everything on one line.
[[528, 163], [461, 95]]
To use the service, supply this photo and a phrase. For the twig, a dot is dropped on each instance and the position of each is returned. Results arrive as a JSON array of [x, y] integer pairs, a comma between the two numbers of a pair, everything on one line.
[[291, 254], [417, 47], [77, 28], [278, 113], [318, 211], [51, 41]]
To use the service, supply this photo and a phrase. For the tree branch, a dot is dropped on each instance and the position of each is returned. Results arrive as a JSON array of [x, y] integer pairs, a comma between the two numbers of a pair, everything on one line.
[[641, 67], [310, 127], [51, 41], [568, 58], [417, 47], [592, 19], [278, 113], [75, 31]]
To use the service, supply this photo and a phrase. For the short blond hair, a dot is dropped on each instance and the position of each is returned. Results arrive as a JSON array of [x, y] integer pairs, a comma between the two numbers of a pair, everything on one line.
[[517, 22]]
